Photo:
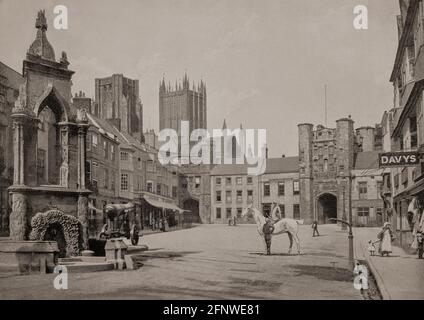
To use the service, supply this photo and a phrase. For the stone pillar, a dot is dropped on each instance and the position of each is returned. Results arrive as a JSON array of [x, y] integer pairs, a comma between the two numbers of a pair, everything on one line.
[[18, 217], [82, 134], [308, 205], [64, 155], [18, 151], [83, 218]]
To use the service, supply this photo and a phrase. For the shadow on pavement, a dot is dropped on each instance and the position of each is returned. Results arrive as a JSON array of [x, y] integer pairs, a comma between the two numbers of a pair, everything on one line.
[[162, 254], [277, 254], [324, 273]]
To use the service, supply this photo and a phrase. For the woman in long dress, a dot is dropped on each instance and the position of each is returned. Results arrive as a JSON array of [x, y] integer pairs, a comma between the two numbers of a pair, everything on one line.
[[386, 237]]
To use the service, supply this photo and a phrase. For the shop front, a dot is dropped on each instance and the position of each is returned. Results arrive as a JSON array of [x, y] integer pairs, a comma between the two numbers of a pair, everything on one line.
[[409, 218], [161, 214]]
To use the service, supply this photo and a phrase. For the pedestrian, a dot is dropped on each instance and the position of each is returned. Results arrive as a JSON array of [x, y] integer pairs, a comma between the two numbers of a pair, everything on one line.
[[315, 228], [420, 244], [268, 229], [386, 237], [371, 248]]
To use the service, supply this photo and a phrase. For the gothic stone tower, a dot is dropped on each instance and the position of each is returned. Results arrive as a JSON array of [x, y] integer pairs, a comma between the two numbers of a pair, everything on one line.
[[49, 143], [117, 100], [325, 164], [182, 104]]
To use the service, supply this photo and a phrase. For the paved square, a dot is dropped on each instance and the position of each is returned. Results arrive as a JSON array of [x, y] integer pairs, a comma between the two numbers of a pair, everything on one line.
[[212, 262]]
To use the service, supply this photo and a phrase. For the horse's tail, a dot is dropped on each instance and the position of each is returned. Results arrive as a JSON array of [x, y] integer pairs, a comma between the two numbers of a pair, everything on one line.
[[300, 221]]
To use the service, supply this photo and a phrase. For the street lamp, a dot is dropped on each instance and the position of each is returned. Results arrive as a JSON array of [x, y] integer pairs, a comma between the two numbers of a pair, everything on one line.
[[344, 206], [350, 238]]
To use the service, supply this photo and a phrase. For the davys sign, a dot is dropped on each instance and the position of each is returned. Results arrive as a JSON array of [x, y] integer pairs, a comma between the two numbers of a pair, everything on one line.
[[399, 159]]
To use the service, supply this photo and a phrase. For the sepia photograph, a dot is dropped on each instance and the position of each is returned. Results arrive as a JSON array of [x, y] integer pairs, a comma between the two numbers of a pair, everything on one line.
[[232, 152]]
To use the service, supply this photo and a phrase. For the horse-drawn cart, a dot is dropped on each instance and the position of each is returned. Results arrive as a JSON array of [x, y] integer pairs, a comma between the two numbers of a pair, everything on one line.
[[120, 223]]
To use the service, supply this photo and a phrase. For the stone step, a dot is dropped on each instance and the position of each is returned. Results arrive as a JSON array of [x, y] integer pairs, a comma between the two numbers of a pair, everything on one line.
[[82, 267]]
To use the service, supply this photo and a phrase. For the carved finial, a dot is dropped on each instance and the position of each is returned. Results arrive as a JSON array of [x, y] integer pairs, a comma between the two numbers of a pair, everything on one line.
[[64, 59], [41, 22]]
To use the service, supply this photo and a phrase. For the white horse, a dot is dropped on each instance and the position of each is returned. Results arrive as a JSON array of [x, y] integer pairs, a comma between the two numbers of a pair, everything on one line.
[[289, 226]]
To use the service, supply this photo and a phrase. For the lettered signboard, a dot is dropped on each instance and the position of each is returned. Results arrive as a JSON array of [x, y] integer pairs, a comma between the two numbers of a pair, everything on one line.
[[399, 159]]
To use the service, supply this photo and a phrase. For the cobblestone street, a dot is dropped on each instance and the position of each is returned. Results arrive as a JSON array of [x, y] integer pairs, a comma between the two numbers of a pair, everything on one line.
[[212, 262]]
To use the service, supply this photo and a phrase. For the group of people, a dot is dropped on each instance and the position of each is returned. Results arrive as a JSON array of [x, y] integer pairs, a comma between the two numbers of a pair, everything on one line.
[[385, 238], [159, 224], [386, 235]]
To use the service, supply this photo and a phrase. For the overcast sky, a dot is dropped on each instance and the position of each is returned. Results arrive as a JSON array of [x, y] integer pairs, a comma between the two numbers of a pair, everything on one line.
[[265, 62]]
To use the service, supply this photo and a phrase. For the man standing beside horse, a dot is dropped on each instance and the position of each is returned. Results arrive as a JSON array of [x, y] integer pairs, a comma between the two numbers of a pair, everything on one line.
[[268, 229]]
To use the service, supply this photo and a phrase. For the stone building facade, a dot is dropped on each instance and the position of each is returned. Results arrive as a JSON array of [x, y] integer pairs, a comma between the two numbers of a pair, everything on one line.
[[332, 162], [49, 143], [195, 191], [10, 81], [117, 100], [405, 122], [280, 185], [232, 189], [182, 104]]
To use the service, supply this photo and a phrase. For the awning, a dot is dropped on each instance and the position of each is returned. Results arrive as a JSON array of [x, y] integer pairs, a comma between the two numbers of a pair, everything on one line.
[[416, 189], [163, 205]]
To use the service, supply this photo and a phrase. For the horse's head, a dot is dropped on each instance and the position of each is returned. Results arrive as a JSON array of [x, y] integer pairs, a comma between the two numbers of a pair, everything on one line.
[[247, 211]]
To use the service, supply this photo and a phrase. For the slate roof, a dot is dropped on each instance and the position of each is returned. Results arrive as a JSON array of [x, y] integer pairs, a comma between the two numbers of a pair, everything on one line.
[[274, 165], [13, 78], [366, 160]]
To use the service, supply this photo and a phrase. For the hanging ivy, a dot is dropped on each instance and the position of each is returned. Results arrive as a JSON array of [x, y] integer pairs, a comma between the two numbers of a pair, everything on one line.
[[70, 226]]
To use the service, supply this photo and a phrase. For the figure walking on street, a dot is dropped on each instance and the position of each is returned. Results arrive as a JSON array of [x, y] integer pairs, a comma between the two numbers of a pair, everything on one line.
[[268, 229], [386, 237], [315, 228]]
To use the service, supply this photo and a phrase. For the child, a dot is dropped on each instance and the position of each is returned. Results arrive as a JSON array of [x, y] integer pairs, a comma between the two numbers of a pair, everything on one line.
[[371, 248]]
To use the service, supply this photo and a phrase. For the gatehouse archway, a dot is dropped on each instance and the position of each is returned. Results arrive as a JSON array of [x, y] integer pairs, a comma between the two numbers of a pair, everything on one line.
[[327, 208]]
